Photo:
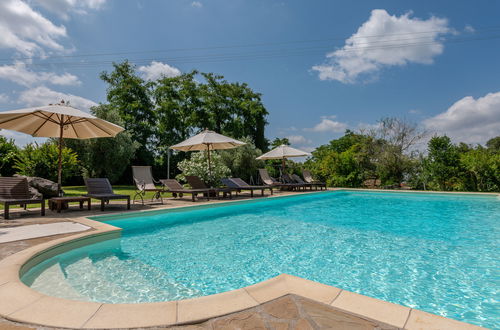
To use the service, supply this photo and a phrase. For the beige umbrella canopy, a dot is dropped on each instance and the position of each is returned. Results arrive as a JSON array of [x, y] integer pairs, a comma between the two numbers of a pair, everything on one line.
[[57, 120], [207, 140], [283, 152]]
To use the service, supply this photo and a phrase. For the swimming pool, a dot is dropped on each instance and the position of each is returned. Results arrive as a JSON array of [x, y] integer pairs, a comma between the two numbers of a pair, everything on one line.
[[434, 252]]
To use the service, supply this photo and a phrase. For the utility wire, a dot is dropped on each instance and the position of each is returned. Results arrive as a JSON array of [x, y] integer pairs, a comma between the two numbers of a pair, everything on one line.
[[218, 57], [243, 45]]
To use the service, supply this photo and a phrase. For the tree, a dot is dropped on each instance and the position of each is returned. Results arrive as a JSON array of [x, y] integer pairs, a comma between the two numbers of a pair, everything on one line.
[[443, 162], [130, 96], [395, 139], [483, 166], [8, 154], [105, 157], [494, 144]]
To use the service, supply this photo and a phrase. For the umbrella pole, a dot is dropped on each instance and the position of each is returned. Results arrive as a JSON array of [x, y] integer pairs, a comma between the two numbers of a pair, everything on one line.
[[59, 169], [209, 163], [283, 164]]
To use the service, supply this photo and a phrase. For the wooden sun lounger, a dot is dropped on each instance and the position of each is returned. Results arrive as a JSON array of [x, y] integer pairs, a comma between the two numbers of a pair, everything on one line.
[[309, 179], [239, 185], [288, 180], [15, 191], [100, 188], [178, 190], [196, 183], [270, 181]]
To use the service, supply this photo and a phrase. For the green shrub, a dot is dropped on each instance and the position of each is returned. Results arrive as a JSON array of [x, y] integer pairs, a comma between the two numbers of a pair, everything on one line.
[[8, 154], [42, 161], [197, 164]]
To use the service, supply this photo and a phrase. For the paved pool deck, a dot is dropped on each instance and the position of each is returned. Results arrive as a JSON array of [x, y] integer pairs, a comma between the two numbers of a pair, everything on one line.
[[283, 302]]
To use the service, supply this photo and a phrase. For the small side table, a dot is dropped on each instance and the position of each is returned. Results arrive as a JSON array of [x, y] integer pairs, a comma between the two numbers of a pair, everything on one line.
[[57, 203]]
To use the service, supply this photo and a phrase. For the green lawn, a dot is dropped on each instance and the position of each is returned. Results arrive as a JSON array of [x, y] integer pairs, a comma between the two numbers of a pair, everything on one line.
[[80, 190]]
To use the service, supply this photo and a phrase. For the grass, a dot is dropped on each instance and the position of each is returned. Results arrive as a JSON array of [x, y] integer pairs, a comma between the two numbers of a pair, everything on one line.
[[81, 190]]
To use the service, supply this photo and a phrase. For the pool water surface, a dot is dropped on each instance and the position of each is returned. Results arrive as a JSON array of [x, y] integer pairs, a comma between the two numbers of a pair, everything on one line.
[[434, 252]]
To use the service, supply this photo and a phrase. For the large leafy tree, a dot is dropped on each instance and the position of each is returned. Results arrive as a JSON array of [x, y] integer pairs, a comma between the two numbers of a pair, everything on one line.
[[443, 162], [130, 96]]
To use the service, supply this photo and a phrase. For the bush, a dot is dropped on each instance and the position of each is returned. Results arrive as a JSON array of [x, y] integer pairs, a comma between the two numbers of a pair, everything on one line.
[[8, 154], [42, 161], [198, 165]]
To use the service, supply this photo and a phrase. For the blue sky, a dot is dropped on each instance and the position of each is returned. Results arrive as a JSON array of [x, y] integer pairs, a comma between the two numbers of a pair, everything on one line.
[[321, 66]]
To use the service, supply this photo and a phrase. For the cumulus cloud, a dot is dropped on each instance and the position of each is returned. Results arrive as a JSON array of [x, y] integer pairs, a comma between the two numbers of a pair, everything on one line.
[[298, 139], [20, 74], [26, 30], [327, 124], [382, 41], [62, 8], [43, 96], [196, 4], [469, 120], [157, 70]]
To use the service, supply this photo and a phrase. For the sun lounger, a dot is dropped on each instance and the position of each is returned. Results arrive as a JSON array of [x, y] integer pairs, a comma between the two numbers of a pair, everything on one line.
[[309, 179], [15, 191], [196, 183], [269, 181], [100, 188], [288, 180], [144, 182], [178, 190], [239, 185], [298, 179]]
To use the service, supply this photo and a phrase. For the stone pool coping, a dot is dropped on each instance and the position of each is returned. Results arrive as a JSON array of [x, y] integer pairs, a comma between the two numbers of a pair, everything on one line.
[[20, 303]]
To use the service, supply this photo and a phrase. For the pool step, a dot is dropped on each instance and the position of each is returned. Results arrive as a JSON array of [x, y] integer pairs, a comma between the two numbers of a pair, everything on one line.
[[53, 282], [146, 282], [115, 280], [88, 281]]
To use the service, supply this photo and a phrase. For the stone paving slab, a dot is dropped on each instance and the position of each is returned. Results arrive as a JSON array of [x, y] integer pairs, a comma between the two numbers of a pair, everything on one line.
[[13, 234]]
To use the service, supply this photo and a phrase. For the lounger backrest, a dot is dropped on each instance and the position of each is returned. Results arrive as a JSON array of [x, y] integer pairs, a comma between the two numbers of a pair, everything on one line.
[[195, 182], [265, 177], [143, 178], [307, 176], [229, 183], [297, 178], [239, 182], [98, 186], [14, 188], [287, 179], [173, 184]]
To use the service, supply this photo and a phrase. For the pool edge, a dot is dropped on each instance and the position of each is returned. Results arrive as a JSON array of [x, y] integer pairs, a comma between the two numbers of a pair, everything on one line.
[[20, 303]]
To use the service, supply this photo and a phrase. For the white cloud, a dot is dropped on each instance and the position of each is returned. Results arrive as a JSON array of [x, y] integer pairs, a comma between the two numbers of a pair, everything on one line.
[[21, 139], [469, 120], [62, 8], [196, 4], [327, 124], [21, 75], [157, 70], [26, 30], [42, 96], [298, 139], [383, 41], [414, 112]]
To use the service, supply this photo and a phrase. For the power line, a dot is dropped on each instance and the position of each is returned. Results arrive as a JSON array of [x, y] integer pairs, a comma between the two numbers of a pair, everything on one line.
[[240, 46], [261, 54]]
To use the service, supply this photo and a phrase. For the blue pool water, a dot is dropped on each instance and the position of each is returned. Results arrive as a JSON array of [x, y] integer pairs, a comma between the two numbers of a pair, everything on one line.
[[437, 253]]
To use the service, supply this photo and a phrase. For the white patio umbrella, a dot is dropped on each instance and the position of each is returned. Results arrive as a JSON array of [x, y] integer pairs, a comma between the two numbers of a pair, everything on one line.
[[57, 120], [283, 152], [207, 141]]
